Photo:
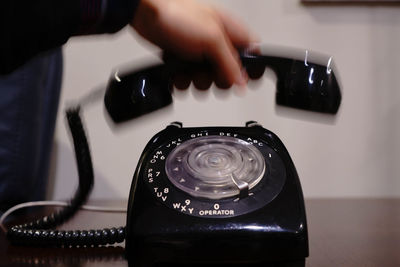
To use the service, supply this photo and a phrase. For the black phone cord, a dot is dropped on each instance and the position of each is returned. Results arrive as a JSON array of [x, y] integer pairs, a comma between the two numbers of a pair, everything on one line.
[[38, 233]]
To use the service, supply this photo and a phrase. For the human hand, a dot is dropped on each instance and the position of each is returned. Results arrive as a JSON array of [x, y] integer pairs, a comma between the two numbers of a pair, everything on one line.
[[196, 32]]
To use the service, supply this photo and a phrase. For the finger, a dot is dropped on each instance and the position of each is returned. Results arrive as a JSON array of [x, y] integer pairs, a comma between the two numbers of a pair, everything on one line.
[[226, 60], [220, 82], [202, 80], [220, 78], [255, 71], [182, 81]]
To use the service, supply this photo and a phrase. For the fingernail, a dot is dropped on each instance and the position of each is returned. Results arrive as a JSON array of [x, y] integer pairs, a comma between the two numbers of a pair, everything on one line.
[[243, 78], [254, 47]]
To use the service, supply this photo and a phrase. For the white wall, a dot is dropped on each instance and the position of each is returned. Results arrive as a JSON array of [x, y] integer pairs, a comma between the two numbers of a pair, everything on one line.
[[355, 155]]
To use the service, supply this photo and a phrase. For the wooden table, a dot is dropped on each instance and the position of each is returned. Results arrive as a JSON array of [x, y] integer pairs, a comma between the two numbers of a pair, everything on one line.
[[342, 232]]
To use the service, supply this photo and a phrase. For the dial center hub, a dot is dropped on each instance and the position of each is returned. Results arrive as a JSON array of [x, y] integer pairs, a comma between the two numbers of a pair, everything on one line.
[[215, 167]]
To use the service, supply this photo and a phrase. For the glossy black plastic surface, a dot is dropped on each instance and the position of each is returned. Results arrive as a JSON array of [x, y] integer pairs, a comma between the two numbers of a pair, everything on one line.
[[134, 94], [301, 84], [274, 232]]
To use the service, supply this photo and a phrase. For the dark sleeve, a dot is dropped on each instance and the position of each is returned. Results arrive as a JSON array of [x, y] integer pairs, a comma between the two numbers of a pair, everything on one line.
[[28, 27]]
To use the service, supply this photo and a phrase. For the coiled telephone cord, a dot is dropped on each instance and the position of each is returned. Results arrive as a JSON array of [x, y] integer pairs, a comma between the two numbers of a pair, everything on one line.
[[39, 233]]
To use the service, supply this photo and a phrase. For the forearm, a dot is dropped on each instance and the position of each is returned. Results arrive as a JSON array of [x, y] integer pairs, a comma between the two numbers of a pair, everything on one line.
[[30, 27]]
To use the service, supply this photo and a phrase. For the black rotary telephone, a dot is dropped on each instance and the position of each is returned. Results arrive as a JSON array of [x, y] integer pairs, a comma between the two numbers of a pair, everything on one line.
[[207, 195]]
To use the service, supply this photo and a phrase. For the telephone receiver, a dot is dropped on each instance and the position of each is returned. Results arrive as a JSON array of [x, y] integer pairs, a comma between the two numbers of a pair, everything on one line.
[[302, 84]]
